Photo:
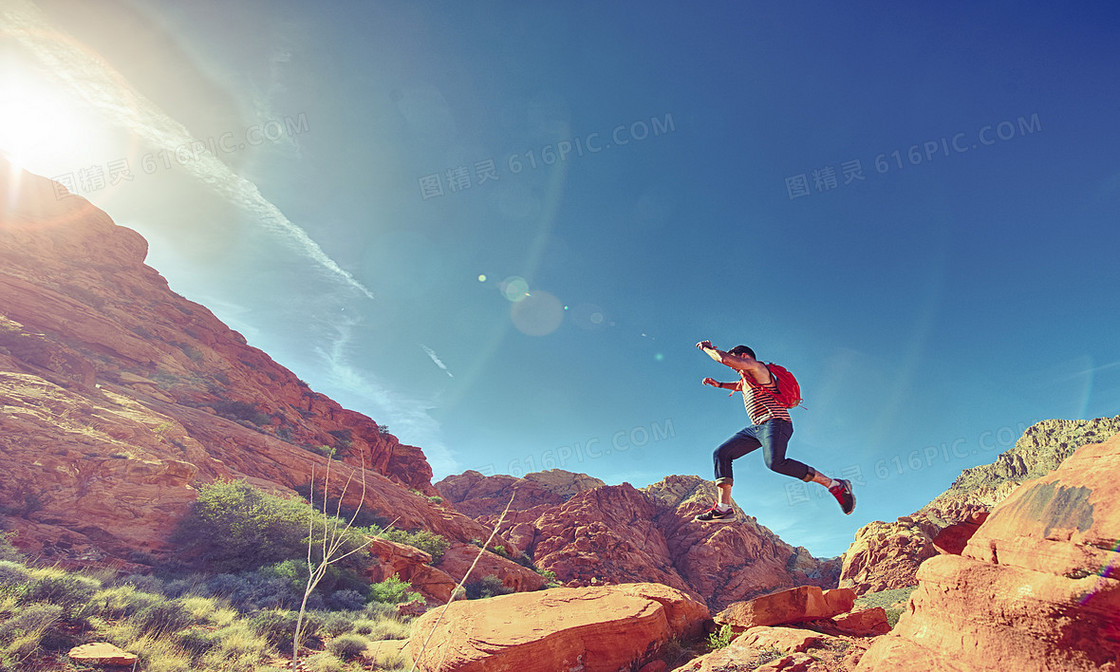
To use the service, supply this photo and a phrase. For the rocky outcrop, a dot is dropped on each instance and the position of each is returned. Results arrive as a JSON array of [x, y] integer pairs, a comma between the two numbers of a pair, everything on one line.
[[887, 555], [120, 398], [102, 653], [782, 649], [601, 628], [1036, 587], [588, 533], [797, 605]]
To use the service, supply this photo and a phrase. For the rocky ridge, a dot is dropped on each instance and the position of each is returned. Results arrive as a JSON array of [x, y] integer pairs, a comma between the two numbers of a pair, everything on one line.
[[120, 398], [1036, 587], [588, 533], [886, 555]]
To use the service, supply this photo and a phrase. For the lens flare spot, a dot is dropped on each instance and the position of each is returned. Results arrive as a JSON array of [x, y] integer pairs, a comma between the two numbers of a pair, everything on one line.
[[514, 288], [588, 316], [538, 314]]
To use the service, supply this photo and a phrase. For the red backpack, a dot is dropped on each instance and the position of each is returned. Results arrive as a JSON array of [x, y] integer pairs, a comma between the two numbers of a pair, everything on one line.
[[789, 392]]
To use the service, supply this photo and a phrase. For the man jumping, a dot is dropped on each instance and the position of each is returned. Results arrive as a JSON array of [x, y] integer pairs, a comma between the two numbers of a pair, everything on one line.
[[770, 430]]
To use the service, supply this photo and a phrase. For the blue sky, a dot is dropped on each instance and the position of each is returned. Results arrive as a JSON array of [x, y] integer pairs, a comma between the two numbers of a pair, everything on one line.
[[500, 228]]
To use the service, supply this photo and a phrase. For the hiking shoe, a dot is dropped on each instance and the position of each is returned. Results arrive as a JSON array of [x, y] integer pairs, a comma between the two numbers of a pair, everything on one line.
[[714, 515], [843, 494]]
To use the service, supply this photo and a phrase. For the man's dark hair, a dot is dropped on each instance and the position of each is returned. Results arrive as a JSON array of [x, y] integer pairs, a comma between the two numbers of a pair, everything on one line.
[[742, 350]]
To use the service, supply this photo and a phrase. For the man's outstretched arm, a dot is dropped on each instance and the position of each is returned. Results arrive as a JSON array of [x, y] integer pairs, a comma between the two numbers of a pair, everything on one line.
[[745, 363]]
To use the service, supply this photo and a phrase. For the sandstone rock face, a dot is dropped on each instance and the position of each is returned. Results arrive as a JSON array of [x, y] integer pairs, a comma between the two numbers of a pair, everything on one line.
[[1036, 588], [120, 398], [588, 533], [604, 628], [887, 555]]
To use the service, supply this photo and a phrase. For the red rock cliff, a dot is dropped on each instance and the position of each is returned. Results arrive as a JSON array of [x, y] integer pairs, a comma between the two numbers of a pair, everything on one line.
[[119, 397]]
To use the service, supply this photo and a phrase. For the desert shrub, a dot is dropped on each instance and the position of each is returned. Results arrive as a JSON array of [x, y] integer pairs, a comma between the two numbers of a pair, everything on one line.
[[196, 641], [720, 638], [347, 599], [278, 626], [144, 583], [163, 618], [31, 618], [487, 586], [240, 410], [431, 543], [9, 552], [393, 591], [391, 661], [238, 640], [382, 628], [324, 662], [893, 614], [13, 574], [121, 601], [348, 646], [251, 590], [235, 526], [334, 623], [69, 591], [335, 580], [28, 630]]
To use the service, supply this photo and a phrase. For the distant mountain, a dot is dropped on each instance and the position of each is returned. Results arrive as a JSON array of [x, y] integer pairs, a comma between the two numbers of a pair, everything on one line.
[[590, 533]]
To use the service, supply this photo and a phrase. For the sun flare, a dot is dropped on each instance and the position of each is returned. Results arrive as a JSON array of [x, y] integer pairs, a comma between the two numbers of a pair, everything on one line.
[[40, 128]]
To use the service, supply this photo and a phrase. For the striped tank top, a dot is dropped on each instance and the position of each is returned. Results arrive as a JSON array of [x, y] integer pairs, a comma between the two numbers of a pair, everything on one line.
[[760, 404]]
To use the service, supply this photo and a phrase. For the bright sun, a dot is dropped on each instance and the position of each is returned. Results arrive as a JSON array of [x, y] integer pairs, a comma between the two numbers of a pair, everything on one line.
[[41, 129]]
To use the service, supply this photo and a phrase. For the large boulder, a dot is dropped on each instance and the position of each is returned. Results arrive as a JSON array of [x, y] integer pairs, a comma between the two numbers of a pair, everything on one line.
[[591, 629], [1037, 587], [797, 605]]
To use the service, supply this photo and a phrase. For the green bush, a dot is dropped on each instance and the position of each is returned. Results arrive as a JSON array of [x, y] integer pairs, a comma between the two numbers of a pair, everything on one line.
[[487, 586], [163, 618], [324, 662], [8, 552], [121, 601], [13, 574], [335, 623], [69, 591], [253, 590], [393, 591], [382, 628], [721, 638], [427, 541], [32, 618], [893, 614], [348, 646], [234, 526], [196, 641], [278, 626]]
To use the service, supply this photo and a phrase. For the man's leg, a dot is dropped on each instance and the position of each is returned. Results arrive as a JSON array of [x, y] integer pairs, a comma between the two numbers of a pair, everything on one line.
[[737, 446], [775, 440]]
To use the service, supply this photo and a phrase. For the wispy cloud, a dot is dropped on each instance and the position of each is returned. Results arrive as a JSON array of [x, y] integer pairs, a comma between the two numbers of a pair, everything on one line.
[[111, 95], [435, 358], [408, 419]]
